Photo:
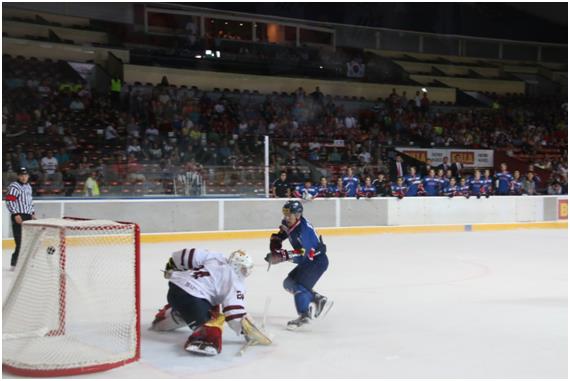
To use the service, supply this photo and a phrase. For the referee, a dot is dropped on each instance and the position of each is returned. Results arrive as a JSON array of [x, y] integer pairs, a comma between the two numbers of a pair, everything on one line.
[[21, 206]]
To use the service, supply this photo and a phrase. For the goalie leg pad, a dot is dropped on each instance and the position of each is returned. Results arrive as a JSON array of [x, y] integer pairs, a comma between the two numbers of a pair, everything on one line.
[[252, 333], [207, 339], [167, 319]]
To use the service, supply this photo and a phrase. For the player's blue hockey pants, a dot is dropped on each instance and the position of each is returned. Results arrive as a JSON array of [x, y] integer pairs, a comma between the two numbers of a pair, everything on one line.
[[302, 279]]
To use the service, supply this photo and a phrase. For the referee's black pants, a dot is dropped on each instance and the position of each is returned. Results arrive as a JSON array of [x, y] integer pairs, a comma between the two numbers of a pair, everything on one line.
[[17, 230]]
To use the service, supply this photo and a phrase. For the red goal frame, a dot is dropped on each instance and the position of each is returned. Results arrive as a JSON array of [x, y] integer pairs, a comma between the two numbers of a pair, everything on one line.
[[61, 328]]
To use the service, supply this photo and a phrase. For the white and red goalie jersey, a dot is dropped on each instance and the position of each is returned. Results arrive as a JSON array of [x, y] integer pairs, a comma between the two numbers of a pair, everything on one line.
[[208, 276]]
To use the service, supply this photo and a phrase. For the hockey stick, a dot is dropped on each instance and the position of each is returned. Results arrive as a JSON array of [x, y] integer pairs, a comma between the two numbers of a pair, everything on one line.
[[265, 311], [245, 346]]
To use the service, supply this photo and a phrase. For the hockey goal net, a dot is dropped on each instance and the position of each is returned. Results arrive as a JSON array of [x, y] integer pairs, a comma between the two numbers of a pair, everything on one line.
[[73, 306]]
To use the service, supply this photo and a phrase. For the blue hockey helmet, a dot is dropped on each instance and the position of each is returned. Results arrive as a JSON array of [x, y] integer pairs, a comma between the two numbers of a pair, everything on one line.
[[292, 207]]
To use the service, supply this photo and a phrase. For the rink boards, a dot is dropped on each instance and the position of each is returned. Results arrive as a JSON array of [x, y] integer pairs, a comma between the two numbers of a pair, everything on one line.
[[166, 219]]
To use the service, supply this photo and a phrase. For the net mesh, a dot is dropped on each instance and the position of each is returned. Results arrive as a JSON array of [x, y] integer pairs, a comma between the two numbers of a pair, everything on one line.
[[73, 301]]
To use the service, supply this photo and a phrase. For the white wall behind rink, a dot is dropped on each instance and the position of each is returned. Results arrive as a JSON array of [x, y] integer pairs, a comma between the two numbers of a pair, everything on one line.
[[187, 215]]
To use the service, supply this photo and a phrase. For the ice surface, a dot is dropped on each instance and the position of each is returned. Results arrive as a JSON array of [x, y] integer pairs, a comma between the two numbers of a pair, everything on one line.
[[433, 305]]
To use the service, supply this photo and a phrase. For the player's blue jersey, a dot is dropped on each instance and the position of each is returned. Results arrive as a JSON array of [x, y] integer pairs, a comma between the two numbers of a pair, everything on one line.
[[301, 191], [463, 190], [303, 235], [450, 190], [443, 182], [431, 186], [413, 183], [487, 185], [336, 192], [367, 191], [516, 186], [325, 191], [350, 185], [504, 181], [476, 186], [399, 190]]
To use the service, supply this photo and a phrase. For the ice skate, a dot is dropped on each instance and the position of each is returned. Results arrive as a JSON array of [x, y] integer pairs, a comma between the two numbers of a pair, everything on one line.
[[207, 339], [201, 347], [302, 320], [322, 305]]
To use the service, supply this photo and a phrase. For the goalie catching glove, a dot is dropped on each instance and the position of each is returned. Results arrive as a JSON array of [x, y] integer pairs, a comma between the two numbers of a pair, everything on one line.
[[170, 268]]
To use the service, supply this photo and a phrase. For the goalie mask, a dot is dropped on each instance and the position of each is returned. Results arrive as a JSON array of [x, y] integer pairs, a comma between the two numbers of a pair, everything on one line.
[[241, 262]]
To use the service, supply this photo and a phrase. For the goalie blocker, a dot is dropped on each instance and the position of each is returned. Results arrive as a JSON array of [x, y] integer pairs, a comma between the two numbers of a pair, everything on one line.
[[198, 281]]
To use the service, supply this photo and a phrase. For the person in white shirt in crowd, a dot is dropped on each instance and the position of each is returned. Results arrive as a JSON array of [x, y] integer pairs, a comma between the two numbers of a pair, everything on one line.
[[219, 108], [350, 121], [135, 148], [152, 133], [364, 156], [76, 105], [111, 135], [49, 167], [133, 129]]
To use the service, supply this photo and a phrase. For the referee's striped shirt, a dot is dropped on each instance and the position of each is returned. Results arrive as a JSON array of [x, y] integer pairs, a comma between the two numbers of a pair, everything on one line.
[[19, 198]]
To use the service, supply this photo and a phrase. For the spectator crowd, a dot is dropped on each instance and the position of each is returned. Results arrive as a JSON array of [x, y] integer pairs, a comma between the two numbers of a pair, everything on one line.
[[66, 134]]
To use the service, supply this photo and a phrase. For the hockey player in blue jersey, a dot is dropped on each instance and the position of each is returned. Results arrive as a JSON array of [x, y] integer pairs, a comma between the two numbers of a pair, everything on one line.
[[503, 180], [488, 183], [450, 189], [350, 183], [324, 189], [447, 177], [476, 184], [367, 190], [463, 188], [399, 189], [431, 185], [413, 182], [310, 254], [338, 189], [516, 183], [307, 191]]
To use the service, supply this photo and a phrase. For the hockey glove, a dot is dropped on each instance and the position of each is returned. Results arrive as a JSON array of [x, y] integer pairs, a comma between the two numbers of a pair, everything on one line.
[[169, 268], [275, 242], [281, 255], [277, 256]]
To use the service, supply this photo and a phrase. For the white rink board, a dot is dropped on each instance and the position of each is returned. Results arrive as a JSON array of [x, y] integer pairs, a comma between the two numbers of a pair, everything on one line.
[[458, 210], [198, 215], [430, 305]]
